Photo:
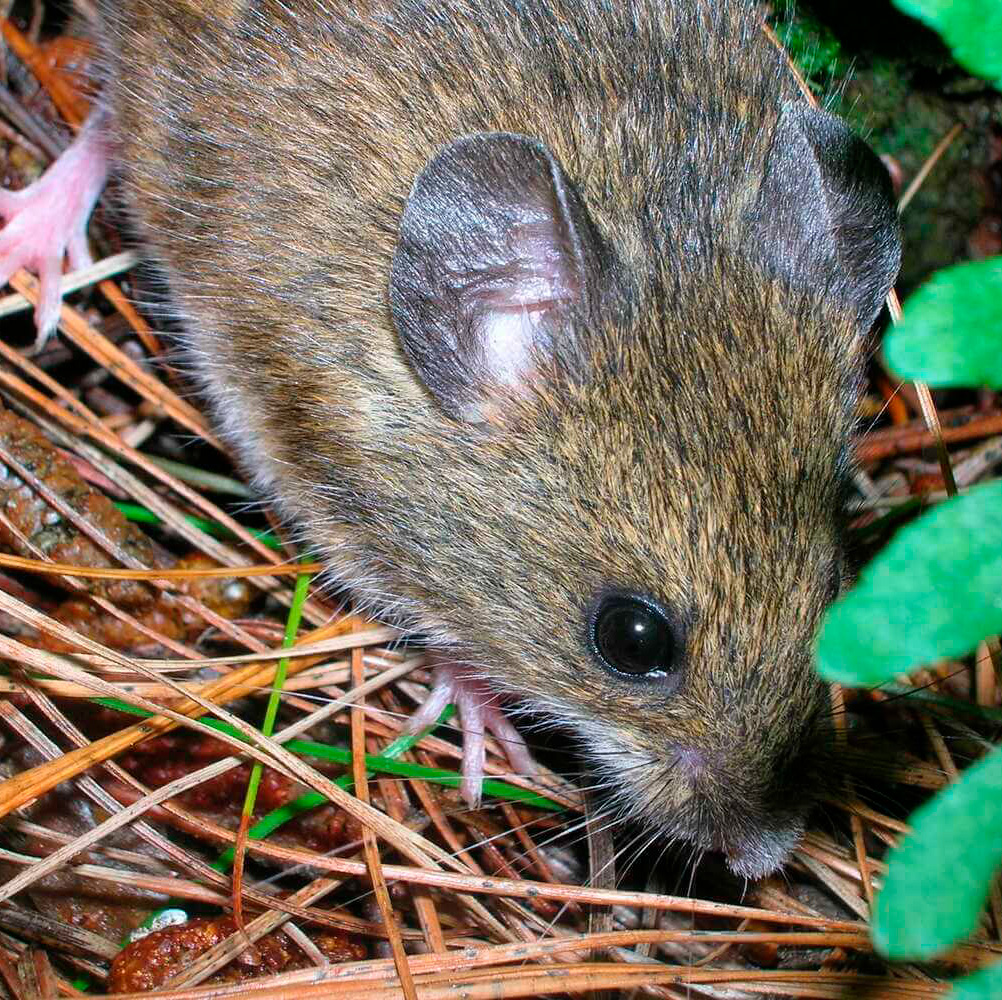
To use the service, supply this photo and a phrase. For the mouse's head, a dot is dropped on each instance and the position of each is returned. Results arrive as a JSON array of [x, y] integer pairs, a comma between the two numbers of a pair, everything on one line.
[[651, 409]]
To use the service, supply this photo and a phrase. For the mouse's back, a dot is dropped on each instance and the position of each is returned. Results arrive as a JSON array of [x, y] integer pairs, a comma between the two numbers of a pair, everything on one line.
[[545, 321]]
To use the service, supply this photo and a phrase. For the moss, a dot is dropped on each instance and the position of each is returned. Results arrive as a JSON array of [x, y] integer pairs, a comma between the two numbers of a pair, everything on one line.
[[814, 49]]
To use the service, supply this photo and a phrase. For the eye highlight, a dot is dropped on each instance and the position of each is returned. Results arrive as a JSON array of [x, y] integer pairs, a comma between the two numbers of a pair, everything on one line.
[[632, 636]]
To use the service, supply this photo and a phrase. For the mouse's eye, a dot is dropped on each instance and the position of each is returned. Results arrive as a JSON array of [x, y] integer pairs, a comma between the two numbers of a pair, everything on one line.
[[633, 636]]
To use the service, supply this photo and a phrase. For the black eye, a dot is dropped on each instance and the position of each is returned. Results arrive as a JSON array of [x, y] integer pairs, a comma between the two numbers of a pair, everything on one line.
[[633, 636]]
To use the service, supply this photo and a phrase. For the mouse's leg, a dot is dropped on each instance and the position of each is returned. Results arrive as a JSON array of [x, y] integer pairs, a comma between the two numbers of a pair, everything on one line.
[[479, 713], [47, 221]]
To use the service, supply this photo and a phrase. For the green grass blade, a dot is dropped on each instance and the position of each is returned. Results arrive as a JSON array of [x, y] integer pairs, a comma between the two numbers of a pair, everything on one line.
[[376, 764], [134, 512], [278, 683]]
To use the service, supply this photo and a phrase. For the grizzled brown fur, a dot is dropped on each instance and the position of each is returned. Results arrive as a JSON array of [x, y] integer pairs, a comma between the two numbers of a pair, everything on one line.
[[684, 436]]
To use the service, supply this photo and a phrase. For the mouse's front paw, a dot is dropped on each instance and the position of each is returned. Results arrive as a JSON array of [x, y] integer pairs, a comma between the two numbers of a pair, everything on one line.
[[47, 222], [480, 713]]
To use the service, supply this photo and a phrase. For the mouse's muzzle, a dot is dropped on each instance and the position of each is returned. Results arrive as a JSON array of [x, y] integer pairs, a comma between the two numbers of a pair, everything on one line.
[[750, 796], [735, 786], [753, 816]]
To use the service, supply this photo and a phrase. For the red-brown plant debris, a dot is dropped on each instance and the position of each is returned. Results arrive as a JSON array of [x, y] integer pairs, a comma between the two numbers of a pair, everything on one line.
[[152, 960]]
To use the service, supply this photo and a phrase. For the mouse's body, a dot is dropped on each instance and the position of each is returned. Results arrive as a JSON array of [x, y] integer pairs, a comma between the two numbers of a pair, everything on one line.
[[545, 322]]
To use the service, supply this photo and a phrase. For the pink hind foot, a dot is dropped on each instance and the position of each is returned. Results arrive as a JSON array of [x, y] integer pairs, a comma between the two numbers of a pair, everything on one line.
[[47, 221], [479, 714]]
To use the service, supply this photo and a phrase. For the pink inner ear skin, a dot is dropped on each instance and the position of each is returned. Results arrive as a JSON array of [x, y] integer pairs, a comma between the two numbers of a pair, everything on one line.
[[507, 336], [540, 285]]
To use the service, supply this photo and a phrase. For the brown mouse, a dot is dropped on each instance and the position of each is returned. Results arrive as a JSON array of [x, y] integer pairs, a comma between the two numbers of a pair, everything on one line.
[[545, 323]]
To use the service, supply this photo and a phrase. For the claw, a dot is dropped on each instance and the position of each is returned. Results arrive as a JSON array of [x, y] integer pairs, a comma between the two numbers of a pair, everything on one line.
[[78, 252], [47, 221], [50, 299], [479, 714]]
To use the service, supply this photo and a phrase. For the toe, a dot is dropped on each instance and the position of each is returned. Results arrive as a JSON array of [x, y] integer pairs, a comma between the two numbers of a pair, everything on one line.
[[433, 706], [15, 251], [8, 265], [512, 741], [471, 787], [78, 251], [470, 703], [50, 301]]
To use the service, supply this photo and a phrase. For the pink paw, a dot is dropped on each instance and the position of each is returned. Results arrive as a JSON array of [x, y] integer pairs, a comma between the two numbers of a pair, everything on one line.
[[479, 714], [47, 221]]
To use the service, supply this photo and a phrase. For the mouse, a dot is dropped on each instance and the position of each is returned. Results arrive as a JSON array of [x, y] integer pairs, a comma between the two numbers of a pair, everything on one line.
[[545, 323]]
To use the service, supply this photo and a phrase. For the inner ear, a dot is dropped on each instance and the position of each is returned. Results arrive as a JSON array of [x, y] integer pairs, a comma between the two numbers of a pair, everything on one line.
[[495, 254]]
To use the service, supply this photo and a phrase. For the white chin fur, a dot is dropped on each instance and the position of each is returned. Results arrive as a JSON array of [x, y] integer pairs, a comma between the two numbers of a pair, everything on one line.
[[752, 853], [764, 853]]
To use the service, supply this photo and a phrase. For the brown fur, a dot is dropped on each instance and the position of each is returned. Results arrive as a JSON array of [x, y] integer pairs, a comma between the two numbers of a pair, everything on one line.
[[690, 443]]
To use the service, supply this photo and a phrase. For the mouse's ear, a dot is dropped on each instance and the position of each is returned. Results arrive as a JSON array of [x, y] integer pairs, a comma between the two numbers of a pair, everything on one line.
[[826, 212], [495, 253]]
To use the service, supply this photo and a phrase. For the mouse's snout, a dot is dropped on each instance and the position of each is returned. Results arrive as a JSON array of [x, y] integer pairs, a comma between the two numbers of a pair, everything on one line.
[[715, 780], [754, 823], [751, 815], [739, 789]]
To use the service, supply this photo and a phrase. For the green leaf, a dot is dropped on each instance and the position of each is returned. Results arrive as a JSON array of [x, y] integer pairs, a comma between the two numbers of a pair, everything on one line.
[[983, 985], [939, 876], [952, 328], [972, 29], [933, 592]]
